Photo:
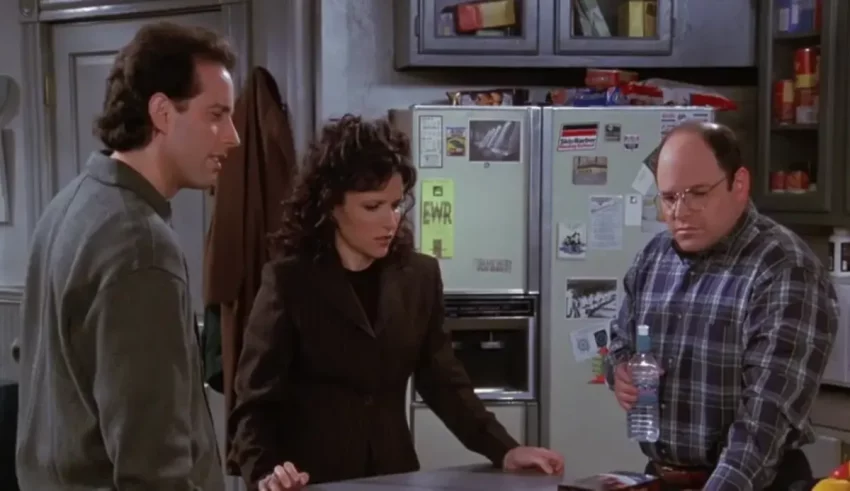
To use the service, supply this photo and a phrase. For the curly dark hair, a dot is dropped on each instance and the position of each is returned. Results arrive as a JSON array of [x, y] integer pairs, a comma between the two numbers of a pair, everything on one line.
[[160, 58], [350, 155]]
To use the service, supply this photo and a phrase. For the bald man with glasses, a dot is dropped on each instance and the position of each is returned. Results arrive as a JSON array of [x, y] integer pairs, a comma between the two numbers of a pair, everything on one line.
[[742, 316]]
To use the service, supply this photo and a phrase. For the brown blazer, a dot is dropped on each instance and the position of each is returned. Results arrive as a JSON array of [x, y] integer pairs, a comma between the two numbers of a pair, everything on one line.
[[254, 180], [318, 386]]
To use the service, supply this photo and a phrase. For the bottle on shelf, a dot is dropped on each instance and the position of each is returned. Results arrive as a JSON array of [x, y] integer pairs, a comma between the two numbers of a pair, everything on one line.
[[643, 418]]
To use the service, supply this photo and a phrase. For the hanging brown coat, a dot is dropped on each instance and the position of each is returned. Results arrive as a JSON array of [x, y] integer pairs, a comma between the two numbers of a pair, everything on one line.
[[254, 180]]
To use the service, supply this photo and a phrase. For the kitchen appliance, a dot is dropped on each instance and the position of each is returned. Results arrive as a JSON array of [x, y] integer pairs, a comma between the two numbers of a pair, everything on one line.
[[598, 208], [551, 204], [837, 370], [478, 211]]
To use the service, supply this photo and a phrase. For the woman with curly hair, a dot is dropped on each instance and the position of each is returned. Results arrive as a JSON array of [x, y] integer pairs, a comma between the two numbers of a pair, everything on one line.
[[346, 313]]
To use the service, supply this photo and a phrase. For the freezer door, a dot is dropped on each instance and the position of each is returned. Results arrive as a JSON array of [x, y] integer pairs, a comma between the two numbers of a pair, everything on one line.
[[477, 201]]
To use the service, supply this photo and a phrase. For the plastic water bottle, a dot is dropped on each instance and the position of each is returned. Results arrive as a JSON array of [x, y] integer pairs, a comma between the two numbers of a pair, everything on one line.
[[643, 418]]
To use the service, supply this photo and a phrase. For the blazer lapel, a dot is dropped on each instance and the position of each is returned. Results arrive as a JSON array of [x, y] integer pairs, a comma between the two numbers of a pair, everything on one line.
[[391, 298], [336, 290]]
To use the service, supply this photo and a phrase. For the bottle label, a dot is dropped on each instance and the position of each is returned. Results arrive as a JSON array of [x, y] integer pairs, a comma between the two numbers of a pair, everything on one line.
[[647, 395]]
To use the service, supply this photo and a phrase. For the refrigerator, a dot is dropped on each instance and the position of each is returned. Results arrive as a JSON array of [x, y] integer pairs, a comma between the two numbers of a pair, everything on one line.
[[598, 211], [477, 211], [543, 208]]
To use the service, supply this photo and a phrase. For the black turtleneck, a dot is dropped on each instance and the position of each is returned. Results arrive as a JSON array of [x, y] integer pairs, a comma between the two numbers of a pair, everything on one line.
[[366, 285]]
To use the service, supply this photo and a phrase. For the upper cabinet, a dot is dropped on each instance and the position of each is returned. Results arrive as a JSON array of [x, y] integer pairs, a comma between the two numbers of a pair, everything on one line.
[[620, 27], [801, 175], [574, 33]]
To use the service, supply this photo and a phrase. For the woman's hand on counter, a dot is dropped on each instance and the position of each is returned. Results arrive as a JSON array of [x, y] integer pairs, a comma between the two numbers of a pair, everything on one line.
[[543, 459], [284, 478]]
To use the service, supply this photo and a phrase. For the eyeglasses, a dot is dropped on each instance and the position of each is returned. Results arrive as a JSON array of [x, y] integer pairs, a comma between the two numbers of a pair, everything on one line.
[[693, 199]]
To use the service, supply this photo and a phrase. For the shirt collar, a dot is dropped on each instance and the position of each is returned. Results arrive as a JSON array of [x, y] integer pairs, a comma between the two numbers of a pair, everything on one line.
[[113, 172], [727, 247]]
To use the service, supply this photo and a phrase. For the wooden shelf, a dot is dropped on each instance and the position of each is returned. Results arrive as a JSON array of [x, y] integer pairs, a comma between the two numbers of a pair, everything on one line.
[[793, 127], [796, 36]]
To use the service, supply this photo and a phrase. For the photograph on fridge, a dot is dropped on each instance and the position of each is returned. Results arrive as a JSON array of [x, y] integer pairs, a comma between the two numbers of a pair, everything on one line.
[[591, 298], [590, 171], [495, 140], [572, 240]]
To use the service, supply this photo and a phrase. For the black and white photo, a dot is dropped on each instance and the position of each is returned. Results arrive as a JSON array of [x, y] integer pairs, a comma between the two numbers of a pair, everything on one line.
[[494, 140], [591, 298]]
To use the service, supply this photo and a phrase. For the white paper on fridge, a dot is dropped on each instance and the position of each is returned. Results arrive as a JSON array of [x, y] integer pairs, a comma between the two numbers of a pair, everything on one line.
[[644, 181], [606, 223], [634, 210]]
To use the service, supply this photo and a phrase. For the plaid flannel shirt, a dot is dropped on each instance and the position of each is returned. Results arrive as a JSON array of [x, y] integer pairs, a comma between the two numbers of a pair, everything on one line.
[[743, 333]]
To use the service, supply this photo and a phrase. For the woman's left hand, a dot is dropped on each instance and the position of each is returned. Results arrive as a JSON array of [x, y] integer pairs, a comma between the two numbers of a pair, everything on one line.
[[543, 459]]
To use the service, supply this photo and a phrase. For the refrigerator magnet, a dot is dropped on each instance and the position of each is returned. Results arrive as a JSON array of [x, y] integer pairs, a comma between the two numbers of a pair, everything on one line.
[[631, 142], [613, 132]]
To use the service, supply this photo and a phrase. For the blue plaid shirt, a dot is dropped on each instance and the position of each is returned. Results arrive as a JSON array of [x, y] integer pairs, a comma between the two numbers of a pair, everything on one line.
[[743, 333]]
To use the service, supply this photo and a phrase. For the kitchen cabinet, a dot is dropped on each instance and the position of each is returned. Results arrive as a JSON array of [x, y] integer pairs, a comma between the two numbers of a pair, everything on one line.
[[437, 447], [575, 33], [800, 175]]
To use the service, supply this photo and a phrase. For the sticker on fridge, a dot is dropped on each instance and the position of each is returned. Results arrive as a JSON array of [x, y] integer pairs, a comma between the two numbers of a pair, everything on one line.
[[495, 140], [591, 298], [430, 141], [606, 223], [572, 240], [588, 341], [613, 132], [631, 142], [578, 137], [455, 141], [437, 229], [590, 171]]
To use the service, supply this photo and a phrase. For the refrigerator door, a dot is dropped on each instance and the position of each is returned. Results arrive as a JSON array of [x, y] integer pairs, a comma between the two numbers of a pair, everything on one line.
[[479, 169], [598, 213]]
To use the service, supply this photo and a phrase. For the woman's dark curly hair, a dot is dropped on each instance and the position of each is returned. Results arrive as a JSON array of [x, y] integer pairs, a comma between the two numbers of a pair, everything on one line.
[[351, 154]]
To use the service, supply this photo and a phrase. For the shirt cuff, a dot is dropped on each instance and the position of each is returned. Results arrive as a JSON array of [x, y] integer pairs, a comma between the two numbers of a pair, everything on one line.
[[727, 478]]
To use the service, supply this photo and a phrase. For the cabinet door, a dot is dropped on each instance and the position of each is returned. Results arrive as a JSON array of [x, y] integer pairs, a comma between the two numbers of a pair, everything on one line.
[[448, 27], [795, 171], [614, 27]]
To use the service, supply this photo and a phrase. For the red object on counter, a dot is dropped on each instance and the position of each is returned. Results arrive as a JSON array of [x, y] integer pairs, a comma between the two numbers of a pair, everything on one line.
[[841, 472], [783, 101]]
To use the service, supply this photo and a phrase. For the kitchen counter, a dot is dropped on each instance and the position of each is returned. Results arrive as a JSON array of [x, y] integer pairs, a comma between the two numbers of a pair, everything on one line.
[[467, 478]]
